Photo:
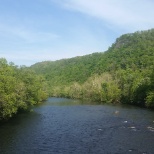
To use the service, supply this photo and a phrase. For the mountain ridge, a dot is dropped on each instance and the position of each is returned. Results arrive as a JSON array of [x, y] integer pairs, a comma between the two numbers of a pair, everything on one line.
[[123, 73], [100, 62]]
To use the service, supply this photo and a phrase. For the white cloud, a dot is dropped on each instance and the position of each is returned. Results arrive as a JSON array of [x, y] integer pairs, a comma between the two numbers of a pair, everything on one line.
[[132, 14]]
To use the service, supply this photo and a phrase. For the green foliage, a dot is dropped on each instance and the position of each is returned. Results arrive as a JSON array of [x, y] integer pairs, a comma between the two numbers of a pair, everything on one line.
[[111, 92], [150, 93], [134, 51], [19, 89], [150, 99], [124, 73]]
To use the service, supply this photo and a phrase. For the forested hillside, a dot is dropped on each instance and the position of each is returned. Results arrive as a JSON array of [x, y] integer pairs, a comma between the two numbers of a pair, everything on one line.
[[122, 74], [66, 71], [19, 89]]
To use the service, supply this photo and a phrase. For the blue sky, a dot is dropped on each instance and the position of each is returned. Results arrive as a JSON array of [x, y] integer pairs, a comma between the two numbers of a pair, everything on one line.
[[37, 30]]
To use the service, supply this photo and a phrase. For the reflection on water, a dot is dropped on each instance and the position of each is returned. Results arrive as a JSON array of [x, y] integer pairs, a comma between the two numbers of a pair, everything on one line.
[[68, 102], [72, 126]]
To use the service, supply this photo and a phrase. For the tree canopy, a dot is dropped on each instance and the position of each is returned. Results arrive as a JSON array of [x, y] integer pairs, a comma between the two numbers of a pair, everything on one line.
[[19, 89], [123, 73]]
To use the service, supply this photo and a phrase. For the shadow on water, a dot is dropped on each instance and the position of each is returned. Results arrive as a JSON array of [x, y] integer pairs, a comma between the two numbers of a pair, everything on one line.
[[11, 131]]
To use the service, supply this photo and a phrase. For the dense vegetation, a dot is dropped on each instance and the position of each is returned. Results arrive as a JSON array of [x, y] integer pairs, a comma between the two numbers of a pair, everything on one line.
[[122, 74], [19, 89]]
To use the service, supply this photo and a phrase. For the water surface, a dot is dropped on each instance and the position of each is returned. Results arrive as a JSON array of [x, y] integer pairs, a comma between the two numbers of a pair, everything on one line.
[[70, 126]]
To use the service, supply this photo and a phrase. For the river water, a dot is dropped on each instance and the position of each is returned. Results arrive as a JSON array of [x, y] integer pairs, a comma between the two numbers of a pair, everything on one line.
[[65, 126]]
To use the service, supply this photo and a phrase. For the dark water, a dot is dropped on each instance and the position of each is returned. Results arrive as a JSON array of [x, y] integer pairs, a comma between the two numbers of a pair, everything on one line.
[[71, 127]]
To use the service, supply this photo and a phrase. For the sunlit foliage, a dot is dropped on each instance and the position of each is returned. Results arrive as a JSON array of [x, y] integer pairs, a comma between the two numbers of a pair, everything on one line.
[[19, 89]]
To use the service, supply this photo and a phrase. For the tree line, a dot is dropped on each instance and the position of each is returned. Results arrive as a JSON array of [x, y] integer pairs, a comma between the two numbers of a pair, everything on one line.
[[20, 88], [124, 86]]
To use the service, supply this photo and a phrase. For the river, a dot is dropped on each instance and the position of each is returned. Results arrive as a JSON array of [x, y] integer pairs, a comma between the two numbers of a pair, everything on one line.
[[65, 126]]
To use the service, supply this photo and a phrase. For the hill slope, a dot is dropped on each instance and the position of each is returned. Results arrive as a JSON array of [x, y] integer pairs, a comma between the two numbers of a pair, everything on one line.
[[134, 51], [130, 54]]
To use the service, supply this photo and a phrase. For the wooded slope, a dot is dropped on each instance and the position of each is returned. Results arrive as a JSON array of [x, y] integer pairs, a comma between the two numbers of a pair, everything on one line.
[[124, 73]]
